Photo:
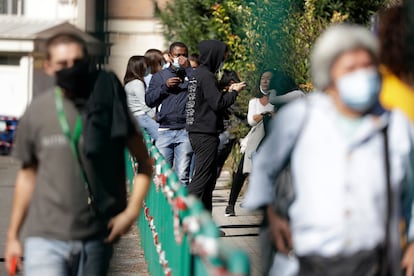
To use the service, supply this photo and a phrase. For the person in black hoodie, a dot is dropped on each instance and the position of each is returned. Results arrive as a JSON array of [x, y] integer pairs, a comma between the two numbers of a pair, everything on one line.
[[205, 108]]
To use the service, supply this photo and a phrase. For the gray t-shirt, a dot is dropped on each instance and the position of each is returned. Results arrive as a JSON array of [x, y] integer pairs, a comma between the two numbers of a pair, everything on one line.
[[59, 208]]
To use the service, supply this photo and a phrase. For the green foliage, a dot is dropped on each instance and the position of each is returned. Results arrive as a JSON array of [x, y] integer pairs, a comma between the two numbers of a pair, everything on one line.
[[282, 33], [191, 21], [228, 23], [303, 28], [359, 11], [188, 21], [262, 33]]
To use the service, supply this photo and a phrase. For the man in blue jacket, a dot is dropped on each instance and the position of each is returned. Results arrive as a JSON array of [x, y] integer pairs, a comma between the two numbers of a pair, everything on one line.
[[167, 92]]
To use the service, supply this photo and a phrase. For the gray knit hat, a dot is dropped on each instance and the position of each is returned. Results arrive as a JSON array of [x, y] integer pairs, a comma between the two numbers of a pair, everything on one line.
[[334, 41]]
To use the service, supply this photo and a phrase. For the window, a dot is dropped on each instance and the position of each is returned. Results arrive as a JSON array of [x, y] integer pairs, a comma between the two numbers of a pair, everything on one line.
[[9, 60], [11, 6]]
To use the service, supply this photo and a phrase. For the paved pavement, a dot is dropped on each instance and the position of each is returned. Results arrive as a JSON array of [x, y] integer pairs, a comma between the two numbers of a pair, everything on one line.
[[241, 231], [8, 169]]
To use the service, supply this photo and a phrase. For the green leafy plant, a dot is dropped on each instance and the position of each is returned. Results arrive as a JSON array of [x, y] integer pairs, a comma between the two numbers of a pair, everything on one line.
[[262, 33]]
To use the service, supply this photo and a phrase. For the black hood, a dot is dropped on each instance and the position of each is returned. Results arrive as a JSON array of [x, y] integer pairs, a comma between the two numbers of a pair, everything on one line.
[[211, 53]]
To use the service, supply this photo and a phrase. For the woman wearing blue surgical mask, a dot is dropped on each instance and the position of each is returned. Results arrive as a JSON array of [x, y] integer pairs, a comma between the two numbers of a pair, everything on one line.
[[351, 167]]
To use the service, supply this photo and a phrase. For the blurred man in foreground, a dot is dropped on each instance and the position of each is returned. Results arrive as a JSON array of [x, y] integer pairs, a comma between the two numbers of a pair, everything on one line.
[[71, 188]]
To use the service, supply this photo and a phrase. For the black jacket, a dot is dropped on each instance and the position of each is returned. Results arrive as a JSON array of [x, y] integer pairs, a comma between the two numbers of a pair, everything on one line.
[[206, 103], [170, 102], [107, 125]]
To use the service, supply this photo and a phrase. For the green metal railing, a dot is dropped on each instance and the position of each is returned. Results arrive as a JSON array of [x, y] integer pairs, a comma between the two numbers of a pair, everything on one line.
[[178, 236]]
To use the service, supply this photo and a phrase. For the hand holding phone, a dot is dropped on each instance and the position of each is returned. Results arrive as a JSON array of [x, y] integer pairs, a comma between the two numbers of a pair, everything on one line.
[[181, 74]]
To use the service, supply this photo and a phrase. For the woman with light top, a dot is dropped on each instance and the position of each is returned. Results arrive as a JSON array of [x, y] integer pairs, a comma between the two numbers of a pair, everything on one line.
[[259, 108], [135, 91]]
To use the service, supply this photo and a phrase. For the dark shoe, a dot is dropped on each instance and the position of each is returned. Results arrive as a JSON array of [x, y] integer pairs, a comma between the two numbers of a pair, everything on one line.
[[230, 211]]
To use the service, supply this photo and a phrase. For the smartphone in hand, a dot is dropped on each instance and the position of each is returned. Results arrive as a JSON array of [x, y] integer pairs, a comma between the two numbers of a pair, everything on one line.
[[181, 74]]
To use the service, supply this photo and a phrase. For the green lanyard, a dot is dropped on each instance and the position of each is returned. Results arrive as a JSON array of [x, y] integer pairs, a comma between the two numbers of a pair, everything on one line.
[[73, 138]]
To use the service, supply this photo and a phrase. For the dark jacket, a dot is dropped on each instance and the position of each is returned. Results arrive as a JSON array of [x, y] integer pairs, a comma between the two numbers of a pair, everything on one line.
[[206, 104], [107, 126], [170, 102]]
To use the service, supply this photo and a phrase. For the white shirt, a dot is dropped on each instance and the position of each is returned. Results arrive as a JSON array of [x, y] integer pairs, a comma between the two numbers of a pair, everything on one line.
[[135, 91], [255, 107]]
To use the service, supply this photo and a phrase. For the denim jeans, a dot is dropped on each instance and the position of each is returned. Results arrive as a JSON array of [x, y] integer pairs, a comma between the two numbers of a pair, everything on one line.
[[149, 124], [175, 146], [68, 258]]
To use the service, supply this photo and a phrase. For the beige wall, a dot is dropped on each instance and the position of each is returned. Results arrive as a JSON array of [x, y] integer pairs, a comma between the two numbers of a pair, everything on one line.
[[132, 30], [133, 9]]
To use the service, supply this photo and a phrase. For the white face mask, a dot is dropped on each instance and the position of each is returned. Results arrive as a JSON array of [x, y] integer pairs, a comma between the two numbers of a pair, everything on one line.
[[175, 63], [359, 89], [263, 91]]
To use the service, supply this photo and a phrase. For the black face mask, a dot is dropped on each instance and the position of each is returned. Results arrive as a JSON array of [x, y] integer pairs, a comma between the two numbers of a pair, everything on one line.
[[75, 80]]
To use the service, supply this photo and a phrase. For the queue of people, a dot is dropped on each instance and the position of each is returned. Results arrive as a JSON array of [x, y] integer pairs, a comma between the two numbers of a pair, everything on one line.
[[347, 149]]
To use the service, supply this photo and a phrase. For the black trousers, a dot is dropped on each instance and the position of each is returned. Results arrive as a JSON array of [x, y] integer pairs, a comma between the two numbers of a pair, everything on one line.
[[238, 180], [205, 169], [222, 155]]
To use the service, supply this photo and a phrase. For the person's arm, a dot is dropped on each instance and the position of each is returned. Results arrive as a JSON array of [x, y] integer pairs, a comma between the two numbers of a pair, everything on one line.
[[280, 233], [271, 156], [139, 91], [121, 223], [216, 99], [25, 184], [284, 99], [157, 90], [253, 117]]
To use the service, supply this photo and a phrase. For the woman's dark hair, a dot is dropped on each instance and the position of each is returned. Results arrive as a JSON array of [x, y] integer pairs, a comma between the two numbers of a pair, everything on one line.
[[194, 57], [280, 81], [396, 52], [135, 69], [154, 59], [228, 76]]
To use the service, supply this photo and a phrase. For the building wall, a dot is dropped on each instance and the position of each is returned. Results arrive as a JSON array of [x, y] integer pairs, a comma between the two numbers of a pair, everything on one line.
[[16, 83], [81, 13], [131, 25], [133, 29]]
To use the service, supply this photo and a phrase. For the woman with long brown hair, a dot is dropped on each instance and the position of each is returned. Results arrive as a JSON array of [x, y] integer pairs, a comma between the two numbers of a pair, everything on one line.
[[135, 90]]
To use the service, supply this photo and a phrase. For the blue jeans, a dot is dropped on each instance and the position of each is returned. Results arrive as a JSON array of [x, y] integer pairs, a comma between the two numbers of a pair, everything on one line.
[[149, 124], [175, 146], [68, 258]]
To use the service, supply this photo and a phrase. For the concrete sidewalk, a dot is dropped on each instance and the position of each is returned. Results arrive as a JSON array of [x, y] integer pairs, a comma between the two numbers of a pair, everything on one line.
[[128, 258], [241, 230]]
